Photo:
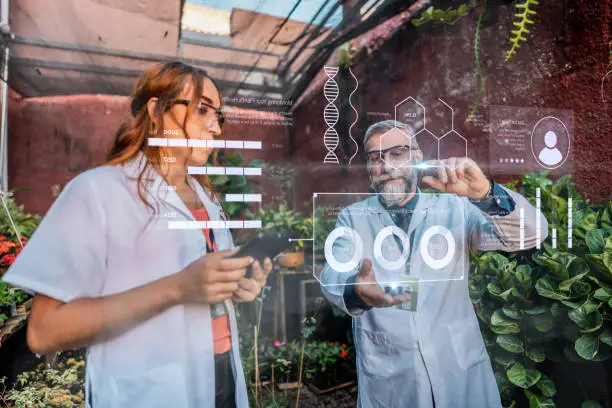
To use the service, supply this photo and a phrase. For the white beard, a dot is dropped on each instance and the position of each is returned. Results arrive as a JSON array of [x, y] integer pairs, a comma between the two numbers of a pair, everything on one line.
[[396, 192]]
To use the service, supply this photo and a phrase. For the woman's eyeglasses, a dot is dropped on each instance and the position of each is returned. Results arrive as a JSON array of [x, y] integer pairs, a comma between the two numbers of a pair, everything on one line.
[[203, 109]]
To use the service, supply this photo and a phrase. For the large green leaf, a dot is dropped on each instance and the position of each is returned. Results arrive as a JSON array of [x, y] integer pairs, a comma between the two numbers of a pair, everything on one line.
[[524, 275], [510, 342], [536, 354], [587, 346], [546, 289], [567, 284], [511, 312], [595, 241], [522, 377], [546, 386], [539, 402], [606, 337], [555, 265], [500, 324], [602, 294], [543, 322], [536, 310], [588, 322]]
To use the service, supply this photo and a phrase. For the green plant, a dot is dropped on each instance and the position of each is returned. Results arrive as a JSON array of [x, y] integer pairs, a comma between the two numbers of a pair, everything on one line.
[[285, 357], [523, 13], [47, 387], [481, 79], [25, 223], [347, 51], [323, 226], [235, 184], [284, 174], [324, 359], [282, 218], [547, 304], [448, 16]]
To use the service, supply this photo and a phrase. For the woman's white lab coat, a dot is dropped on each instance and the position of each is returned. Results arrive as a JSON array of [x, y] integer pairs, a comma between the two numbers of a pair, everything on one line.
[[93, 242]]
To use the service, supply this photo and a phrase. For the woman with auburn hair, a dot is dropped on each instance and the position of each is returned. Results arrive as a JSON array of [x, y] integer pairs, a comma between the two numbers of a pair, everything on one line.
[[152, 304]]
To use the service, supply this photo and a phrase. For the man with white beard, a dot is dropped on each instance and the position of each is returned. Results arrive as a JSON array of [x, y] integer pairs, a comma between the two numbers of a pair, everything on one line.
[[427, 353]]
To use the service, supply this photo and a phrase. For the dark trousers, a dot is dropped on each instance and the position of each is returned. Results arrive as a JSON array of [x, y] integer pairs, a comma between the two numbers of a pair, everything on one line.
[[225, 393]]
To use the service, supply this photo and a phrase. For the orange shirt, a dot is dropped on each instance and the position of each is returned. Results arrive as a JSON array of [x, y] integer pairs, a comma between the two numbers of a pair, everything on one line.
[[222, 336]]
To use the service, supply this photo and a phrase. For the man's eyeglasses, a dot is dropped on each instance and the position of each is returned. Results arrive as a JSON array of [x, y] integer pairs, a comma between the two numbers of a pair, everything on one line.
[[203, 109], [395, 154]]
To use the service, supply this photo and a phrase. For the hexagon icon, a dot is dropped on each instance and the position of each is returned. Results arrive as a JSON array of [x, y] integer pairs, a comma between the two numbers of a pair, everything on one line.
[[411, 112], [439, 120], [399, 137], [428, 143], [452, 145]]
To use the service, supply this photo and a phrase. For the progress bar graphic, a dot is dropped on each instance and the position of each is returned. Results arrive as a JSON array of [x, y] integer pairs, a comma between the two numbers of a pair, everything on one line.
[[225, 171], [184, 225], [215, 144]]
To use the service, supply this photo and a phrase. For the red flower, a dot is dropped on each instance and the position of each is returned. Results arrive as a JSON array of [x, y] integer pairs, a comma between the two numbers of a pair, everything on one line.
[[343, 346], [343, 354], [330, 344], [8, 259]]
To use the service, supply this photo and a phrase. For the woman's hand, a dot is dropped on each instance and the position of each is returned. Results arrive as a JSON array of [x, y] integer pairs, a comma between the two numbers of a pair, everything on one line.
[[248, 289], [214, 277]]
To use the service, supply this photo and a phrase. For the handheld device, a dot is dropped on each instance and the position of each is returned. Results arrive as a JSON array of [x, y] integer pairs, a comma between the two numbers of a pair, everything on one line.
[[266, 245]]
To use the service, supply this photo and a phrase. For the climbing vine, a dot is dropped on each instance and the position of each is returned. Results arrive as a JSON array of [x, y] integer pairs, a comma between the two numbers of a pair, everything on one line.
[[523, 13], [481, 79], [448, 16]]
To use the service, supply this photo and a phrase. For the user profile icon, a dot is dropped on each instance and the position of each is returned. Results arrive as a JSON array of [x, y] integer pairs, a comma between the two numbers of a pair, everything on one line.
[[550, 155], [550, 142]]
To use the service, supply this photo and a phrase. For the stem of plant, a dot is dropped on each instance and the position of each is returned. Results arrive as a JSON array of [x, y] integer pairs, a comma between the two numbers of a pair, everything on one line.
[[481, 84], [256, 351], [297, 399]]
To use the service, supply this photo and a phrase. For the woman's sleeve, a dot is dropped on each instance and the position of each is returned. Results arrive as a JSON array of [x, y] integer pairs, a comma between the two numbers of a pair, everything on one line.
[[66, 256]]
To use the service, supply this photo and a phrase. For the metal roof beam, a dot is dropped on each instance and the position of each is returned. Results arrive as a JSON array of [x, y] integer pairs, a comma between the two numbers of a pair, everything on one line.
[[190, 37], [134, 55], [97, 69]]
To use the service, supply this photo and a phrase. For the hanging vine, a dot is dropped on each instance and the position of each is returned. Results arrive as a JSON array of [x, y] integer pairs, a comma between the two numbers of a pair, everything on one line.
[[523, 13], [481, 79]]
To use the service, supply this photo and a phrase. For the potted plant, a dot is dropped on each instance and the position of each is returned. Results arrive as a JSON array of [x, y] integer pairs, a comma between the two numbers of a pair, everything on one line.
[[328, 366], [282, 218], [284, 358]]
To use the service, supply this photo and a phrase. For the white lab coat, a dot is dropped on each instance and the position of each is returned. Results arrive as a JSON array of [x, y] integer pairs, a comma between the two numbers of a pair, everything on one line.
[[88, 245], [409, 359]]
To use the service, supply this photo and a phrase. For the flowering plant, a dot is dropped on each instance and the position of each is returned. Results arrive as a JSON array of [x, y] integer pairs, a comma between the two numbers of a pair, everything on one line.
[[325, 356], [9, 249], [286, 360]]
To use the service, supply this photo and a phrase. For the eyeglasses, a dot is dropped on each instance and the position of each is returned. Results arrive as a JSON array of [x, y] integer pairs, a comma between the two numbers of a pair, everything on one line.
[[395, 154], [203, 109]]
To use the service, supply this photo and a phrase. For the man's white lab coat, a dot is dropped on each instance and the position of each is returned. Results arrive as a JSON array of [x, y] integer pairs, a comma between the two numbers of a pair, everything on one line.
[[93, 242], [408, 359]]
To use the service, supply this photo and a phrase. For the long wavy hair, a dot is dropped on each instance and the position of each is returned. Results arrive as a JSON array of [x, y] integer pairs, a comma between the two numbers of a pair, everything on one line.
[[165, 82]]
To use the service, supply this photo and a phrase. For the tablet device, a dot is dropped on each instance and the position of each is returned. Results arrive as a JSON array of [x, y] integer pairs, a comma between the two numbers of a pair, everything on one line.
[[266, 245]]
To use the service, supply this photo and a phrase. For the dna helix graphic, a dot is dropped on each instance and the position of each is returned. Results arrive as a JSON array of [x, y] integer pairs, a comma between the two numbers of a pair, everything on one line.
[[331, 115]]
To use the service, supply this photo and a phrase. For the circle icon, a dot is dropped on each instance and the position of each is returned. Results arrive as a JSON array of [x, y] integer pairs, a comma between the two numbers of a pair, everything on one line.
[[378, 255], [353, 236], [550, 142], [450, 246]]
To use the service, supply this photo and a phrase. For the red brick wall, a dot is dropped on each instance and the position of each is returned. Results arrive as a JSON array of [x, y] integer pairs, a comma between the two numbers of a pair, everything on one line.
[[53, 139], [560, 67]]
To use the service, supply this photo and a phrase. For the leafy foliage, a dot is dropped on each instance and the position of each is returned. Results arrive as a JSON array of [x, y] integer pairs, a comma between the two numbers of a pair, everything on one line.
[[548, 304], [25, 223], [235, 184], [448, 16], [50, 387], [282, 218], [523, 13]]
